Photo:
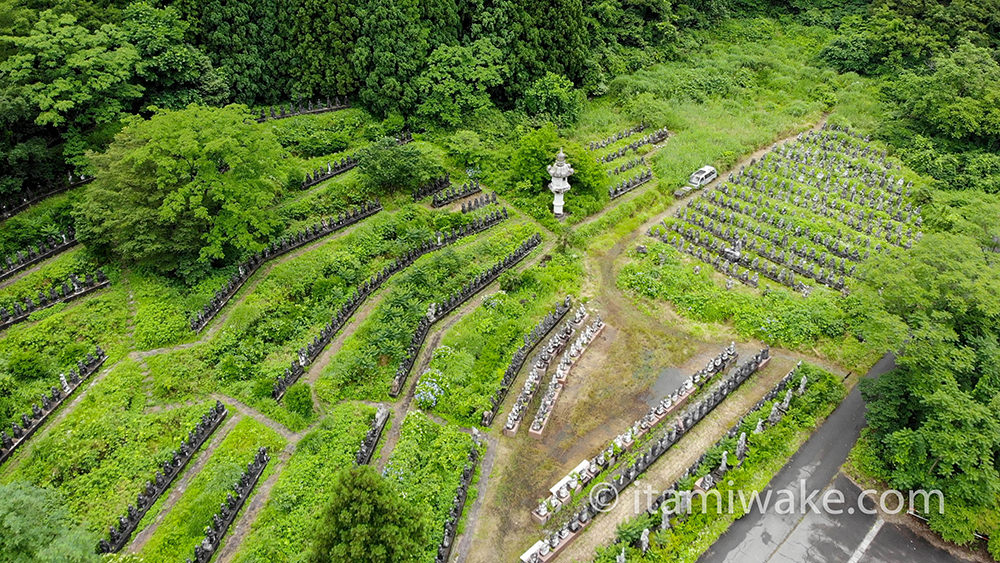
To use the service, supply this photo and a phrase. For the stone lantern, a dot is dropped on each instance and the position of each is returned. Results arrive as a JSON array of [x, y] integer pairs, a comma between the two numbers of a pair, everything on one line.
[[560, 171]]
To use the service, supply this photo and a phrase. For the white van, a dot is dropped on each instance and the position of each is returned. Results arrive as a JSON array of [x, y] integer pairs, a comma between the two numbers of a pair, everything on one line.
[[702, 176]]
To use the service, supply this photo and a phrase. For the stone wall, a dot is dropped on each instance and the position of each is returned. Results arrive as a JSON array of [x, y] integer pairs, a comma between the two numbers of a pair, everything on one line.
[[48, 248], [119, 535], [438, 311], [625, 186], [367, 448], [458, 504], [332, 169], [278, 248], [50, 402], [311, 351], [70, 289]]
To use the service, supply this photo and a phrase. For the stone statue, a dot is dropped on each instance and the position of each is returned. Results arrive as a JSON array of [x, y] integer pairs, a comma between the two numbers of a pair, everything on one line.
[[644, 540]]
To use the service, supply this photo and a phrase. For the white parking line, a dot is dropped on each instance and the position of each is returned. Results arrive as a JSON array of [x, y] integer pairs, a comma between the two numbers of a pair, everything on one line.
[[869, 537]]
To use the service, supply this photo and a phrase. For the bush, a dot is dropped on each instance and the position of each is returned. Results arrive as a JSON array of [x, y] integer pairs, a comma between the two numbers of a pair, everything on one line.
[[552, 97], [298, 399]]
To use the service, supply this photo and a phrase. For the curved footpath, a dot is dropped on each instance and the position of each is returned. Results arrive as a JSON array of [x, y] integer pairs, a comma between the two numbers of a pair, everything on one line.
[[821, 538]]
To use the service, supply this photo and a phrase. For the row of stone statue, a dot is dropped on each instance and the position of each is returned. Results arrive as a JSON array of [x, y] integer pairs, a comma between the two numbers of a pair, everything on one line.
[[653, 138], [623, 134], [367, 447], [641, 161], [873, 221], [332, 169], [458, 503], [543, 358], [70, 289], [435, 185], [569, 356], [675, 501], [609, 493], [479, 202], [304, 108], [48, 247], [222, 520], [625, 186], [119, 535], [277, 248], [12, 204], [50, 402], [311, 351], [751, 212], [531, 339], [436, 311], [623, 442], [452, 193]]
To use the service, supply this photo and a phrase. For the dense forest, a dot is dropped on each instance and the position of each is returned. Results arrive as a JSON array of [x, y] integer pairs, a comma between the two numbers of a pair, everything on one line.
[[71, 71], [85, 87]]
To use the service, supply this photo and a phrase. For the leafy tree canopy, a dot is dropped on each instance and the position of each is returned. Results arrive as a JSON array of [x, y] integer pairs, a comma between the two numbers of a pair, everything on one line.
[[183, 188], [366, 520], [386, 166], [35, 526]]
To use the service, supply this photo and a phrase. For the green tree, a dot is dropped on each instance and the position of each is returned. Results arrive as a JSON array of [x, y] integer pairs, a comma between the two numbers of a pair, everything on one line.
[[959, 99], [36, 527], [527, 177], [183, 188], [367, 520], [173, 73], [386, 167], [457, 81], [64, 81], [553, 97]]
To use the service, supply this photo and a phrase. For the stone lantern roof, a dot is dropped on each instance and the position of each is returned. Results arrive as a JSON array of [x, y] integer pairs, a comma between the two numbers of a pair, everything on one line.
[[561, 168]]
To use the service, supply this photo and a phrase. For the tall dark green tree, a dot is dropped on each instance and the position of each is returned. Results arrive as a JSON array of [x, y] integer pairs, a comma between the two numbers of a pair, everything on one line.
[[366, 520]]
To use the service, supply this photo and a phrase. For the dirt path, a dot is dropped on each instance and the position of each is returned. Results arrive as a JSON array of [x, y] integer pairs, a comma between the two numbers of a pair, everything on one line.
[[464, 540], [178, 488], [258, 416], [316, 368]]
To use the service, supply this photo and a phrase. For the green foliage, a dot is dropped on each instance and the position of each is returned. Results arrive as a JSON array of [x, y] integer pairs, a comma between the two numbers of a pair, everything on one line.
[[958, 99], [427, 466], [37, 527], [457, 81], [182, 189], [183, 527], [525, 177], [304, 487], [552, 97], [107, 448], [387, 167], [366, 519], [298, 399], [476, 351], [367, 361]]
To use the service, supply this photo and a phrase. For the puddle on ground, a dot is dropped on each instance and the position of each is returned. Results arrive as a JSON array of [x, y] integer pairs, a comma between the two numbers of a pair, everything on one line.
[[668, 380]]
